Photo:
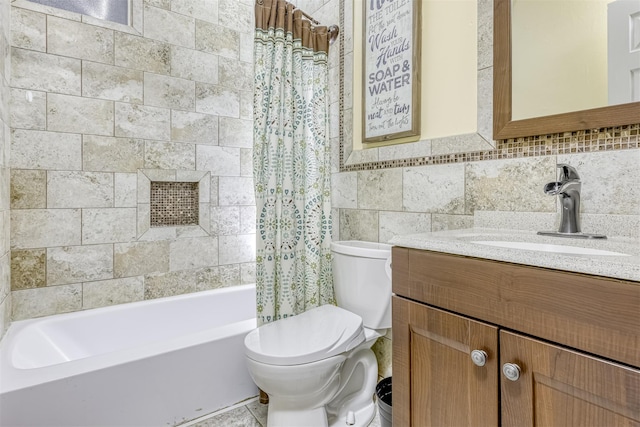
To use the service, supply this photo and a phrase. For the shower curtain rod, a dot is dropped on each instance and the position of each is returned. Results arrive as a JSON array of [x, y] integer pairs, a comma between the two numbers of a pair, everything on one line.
[[333, 30]]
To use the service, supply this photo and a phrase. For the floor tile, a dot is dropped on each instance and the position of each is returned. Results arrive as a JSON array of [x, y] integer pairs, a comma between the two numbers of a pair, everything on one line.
[[239, 417]]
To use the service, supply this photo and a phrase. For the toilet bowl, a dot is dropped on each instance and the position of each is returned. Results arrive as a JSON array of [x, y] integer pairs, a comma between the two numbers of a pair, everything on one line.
[[317, 367]]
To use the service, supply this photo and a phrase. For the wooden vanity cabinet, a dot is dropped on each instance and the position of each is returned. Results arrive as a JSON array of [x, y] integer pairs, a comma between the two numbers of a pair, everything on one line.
[[545, 323], [561, 387]]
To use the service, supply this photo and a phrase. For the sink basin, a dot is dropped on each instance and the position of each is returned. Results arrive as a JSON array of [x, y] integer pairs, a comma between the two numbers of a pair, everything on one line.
[[542, 247]]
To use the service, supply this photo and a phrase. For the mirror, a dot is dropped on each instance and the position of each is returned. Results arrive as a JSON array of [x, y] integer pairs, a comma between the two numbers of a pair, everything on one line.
[[590, 68], [509, 119]]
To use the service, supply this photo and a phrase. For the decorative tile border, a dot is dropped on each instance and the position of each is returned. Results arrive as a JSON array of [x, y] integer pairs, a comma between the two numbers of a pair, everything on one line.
[[606, 139]]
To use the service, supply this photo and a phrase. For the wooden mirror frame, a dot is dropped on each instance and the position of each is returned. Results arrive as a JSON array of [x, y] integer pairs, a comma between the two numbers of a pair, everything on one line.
[[503, 125]]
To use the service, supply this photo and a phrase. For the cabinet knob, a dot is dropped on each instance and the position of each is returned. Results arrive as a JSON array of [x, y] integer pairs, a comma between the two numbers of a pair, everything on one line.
[[479, 357], [511, 371]]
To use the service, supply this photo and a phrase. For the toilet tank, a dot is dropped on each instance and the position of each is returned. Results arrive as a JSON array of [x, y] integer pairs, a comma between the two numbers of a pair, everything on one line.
[[362, 280]]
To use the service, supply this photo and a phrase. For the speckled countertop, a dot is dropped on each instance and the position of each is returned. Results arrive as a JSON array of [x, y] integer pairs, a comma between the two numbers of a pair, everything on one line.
[[461, 242]]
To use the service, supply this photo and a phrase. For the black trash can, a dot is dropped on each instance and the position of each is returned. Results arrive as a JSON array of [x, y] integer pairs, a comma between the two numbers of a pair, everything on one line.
[[383, 394]]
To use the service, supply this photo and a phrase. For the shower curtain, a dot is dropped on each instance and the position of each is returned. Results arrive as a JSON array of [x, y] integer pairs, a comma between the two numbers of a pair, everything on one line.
[[291, 163]]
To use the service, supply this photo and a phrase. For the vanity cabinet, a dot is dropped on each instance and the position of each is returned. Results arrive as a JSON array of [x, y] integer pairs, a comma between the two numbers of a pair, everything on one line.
[[570, 342]]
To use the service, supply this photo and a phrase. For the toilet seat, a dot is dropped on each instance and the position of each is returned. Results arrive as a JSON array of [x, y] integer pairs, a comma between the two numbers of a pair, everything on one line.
[[317, 334]]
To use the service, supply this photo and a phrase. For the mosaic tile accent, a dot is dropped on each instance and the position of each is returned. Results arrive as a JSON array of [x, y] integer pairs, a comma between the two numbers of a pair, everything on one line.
[[174, 203], [585, 141]]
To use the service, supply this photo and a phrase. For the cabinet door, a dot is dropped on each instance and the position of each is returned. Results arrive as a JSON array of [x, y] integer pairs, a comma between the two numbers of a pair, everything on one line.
[[435, 381], [561, 387]]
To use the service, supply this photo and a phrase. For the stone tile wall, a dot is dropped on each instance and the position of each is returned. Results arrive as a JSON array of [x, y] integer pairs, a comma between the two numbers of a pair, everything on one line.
[[428, 186], [5, 254], [98, 111]]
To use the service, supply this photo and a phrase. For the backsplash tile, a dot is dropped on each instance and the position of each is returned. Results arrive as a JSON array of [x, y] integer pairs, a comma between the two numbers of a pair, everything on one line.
[[359, 225], [503, 177], [509, 185], [435, 189], [397, 223], [380, 189], [609, 181]]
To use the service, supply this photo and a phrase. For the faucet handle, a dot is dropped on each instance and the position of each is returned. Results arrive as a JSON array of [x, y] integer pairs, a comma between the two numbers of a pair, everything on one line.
[[568, 173]]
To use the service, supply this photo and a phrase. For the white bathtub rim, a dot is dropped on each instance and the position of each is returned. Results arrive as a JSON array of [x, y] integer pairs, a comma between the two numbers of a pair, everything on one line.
[[15, 379], [52, 328]]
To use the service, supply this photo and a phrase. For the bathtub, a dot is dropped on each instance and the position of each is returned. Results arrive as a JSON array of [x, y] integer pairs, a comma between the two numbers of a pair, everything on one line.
[[151, 363]]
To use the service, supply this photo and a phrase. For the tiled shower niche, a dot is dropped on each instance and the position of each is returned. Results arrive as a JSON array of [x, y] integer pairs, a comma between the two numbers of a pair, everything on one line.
[[174, 203]]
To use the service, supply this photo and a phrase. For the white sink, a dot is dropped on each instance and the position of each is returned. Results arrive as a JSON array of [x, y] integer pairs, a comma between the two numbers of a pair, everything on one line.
[[542, 247]]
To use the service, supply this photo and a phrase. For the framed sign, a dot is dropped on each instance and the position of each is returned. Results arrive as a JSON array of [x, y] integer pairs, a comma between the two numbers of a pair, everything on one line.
[[391, 63]]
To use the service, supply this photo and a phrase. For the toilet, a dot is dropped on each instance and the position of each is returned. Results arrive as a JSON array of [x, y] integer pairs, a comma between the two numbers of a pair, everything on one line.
[[317, 367]]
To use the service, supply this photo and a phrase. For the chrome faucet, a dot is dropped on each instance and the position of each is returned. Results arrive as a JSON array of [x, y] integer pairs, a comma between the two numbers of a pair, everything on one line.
[[568, 189]]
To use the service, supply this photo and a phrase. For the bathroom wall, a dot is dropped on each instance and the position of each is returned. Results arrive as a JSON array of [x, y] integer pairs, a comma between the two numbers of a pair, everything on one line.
[[415, 188], [98, 111], [5, 255]]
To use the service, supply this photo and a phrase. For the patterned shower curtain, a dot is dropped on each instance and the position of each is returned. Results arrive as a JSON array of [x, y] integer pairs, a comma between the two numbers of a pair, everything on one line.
[[291, 163]]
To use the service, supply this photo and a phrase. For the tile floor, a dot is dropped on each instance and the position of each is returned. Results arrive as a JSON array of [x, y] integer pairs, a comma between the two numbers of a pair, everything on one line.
[[246, 414]]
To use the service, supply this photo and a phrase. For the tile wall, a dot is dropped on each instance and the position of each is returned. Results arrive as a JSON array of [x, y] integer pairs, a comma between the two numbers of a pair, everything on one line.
[[168, 103], [430, 186], [5, 254], [99, 111]]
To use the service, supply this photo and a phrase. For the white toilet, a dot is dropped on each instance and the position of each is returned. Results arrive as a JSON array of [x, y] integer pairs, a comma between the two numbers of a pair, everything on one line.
[[317, 367]]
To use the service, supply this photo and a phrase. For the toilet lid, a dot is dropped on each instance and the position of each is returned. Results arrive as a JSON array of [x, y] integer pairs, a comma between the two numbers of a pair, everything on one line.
[[314, 335]]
